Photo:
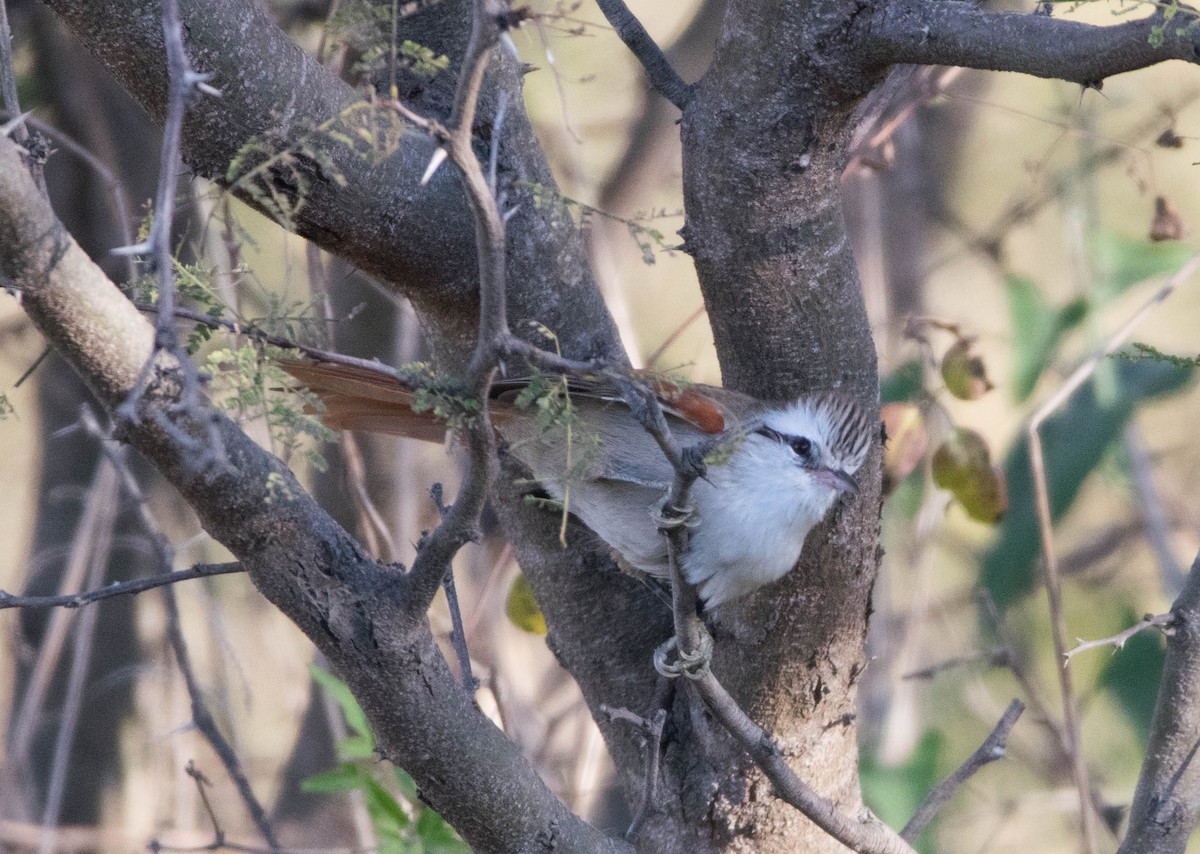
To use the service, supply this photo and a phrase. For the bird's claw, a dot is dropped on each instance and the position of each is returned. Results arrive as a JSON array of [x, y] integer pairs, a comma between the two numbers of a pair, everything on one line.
[[666, 516], [693, 665]]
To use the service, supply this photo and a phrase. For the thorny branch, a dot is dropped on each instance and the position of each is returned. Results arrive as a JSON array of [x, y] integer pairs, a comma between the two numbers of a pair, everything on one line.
[[121, 588], [183, 82], [201, 716], [1046, 530], [459, 523], [1119, 640]]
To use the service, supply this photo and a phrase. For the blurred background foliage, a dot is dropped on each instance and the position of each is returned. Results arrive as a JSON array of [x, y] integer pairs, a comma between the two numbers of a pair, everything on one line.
[[1003, 229]]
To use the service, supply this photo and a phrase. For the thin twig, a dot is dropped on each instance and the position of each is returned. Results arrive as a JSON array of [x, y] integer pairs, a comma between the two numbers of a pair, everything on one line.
[[458, 637], [165, 554], [455, 143], [98, 539], [183, 81], [652, 359], [101, 496], [662, 76], [864, 835], [122, 588], [993, 748], [997, 656], [1037, 463], [1154, 513], [9, 97], [652, 729], [1119, 640]]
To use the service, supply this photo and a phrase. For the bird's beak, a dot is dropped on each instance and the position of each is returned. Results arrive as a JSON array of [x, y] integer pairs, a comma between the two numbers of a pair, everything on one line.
[[839, 480]]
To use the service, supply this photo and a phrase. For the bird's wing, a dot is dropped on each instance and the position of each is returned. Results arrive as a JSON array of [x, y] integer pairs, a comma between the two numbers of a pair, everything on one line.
[[601, 443]]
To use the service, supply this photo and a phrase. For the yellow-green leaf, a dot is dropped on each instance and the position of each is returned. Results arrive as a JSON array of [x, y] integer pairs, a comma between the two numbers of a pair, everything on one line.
[[523, 609], [964, 373], [963, 466]]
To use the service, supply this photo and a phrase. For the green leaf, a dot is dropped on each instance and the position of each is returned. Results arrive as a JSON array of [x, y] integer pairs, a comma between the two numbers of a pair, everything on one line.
[[437, 835], [408, 786], [522, 608], [1122, 262], [386, 812], [1037, 330], [963, 466], [1073, 440], [894, 793], [963, 371], [904, 383], [357, 747], [1133, 673], [347, 777], [356, 719]]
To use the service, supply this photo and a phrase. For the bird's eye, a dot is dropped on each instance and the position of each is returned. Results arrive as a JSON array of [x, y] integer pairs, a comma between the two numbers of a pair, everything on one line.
[[802, 446]]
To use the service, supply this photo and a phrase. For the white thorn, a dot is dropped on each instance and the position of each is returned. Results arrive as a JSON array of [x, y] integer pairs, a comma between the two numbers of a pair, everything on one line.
[[510, 45], [142, 248], [439, 157]]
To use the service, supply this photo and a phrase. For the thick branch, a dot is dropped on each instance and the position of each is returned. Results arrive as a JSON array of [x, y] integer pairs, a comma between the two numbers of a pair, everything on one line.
[[1167, 801], [371, 211], [658, 68], [928, 32], [310, 568]]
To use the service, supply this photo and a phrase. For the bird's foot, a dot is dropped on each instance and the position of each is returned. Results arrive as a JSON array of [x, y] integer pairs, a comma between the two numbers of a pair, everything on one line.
[[667, 516], [693, 665]]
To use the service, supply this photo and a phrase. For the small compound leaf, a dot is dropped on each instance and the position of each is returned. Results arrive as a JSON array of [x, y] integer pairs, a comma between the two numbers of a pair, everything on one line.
[[964, 373], [963, 466], [522, 608], [356, 719], [907, 441], [347, 777]]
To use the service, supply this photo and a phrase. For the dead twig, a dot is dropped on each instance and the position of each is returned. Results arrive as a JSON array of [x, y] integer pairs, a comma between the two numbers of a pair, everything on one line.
[[1053, 579], [993, 748], [1119, 640], [122, 588]]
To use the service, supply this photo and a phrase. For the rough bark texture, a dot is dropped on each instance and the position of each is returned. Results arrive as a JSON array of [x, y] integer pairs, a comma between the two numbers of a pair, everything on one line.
[[764, 148], [765, 138], [303, 562], [1167, 801], [381, 220]]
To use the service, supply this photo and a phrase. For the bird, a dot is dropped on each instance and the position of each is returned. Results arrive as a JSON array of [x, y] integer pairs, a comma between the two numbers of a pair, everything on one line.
[[773, 471]]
